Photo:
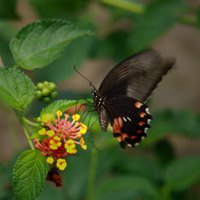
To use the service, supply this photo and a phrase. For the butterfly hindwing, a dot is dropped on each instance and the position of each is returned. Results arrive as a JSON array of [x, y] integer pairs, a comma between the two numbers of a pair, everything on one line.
[[130, 120]]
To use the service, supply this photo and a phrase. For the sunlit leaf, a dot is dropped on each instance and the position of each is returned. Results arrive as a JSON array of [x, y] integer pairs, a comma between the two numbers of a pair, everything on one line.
[[61, 105], [29, 175], [16, 89], [38, 44]]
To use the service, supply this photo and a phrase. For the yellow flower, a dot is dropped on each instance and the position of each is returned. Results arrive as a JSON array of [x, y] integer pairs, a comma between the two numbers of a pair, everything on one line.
[[46, 117], [55, 143], [61, 164], [59, 113], [42, 131], [70, 143], [70, 146], [71, 150], [50, 133], [50, 160], [76, 117], [83, 128], [83, 145]]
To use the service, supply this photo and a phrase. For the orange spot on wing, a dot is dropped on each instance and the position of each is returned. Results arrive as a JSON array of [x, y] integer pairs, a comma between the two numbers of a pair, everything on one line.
[[142, 114], [138, 104]]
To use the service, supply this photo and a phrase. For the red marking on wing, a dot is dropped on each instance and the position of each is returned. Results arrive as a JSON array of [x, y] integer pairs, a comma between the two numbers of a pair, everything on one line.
[[141, 123], [139, 131], [117, 125]]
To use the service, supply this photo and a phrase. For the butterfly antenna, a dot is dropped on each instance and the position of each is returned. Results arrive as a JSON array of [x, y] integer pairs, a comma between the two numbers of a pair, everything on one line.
[[90, 83]]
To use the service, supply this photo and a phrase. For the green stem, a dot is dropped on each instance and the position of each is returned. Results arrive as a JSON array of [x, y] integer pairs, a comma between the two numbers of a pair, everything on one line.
[[23, 123], [126, 5], [189, 20], [27, 121], [166, 193], [28, 138], [92, 174]]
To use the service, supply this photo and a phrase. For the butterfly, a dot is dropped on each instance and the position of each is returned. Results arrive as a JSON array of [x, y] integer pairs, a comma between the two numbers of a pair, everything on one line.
[[120, 99]]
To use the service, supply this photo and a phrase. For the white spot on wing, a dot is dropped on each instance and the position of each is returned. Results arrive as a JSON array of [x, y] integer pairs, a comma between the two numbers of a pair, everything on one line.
[[129, 119], [147, 110], [145, 130], [148, 121], [124, 119], [136, 144]]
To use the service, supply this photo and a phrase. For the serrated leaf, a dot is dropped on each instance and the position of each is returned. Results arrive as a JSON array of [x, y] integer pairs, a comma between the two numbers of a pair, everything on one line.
[[29, 175], [126, 187], [183, 173], [16, 89], [61, 105], [74, 54], [40, 43]]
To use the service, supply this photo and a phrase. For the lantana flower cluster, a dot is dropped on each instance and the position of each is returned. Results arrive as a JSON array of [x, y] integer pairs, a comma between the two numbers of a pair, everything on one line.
[[60, 137]]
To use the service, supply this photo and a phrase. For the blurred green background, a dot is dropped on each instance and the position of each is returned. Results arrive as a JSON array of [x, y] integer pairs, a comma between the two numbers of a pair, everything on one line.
[[167, 164]]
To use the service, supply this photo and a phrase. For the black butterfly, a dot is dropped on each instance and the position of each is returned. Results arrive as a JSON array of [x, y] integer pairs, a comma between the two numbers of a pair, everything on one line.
[[121, 97]]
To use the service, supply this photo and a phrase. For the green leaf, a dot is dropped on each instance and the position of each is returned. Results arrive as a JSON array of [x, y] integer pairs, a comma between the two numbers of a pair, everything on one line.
[[8, 9], [126, 187], [158, 18], [5, 52], [74, 54], [40, 43], [183, 173], [198, 17], [16, 89], [61, 105], [61, 8], [29, 175], [171, 122]]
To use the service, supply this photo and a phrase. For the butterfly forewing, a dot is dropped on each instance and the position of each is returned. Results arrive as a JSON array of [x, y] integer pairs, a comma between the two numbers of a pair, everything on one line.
[[136, 76]]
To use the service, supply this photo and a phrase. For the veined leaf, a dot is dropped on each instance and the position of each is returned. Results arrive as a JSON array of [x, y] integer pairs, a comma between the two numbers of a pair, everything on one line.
[[61, 105], [29, 175], [40, 43], [16, 89]]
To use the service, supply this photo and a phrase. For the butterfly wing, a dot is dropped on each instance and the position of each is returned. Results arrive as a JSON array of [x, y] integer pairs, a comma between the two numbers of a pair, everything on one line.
[[129, 118], [136, 76], [124, 90]]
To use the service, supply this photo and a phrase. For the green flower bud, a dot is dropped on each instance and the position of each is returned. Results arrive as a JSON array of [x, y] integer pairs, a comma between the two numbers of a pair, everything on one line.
[[38, 94], [45, 92], [46, 83], [54, 94], [46, 99], [40, 85], [52, 86]]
